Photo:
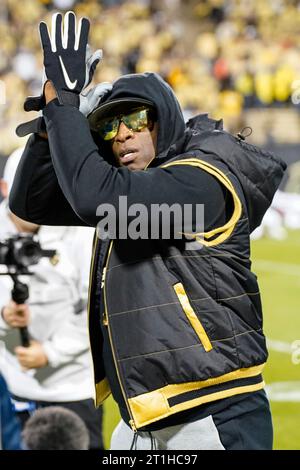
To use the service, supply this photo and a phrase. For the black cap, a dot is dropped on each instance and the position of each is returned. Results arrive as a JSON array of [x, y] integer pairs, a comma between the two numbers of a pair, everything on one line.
[[114, 108]]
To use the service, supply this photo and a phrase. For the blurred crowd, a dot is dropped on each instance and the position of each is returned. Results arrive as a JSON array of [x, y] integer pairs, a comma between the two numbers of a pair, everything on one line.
[[219, 56]]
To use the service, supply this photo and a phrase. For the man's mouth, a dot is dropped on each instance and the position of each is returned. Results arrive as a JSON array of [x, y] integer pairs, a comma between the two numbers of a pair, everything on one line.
[[127, 156]]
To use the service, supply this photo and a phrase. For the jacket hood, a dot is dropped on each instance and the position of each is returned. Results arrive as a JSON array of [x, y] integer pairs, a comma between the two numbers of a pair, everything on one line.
[[151, 87], [259, 172]]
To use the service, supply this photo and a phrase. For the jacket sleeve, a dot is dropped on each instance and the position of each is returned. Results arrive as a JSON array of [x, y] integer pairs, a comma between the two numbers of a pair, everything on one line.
[[87, 180], [35, 195]]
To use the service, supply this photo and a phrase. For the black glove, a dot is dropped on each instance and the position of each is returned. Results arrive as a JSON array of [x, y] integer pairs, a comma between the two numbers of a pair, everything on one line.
[[37, 103], [35, 126], [88, 103], [34, 103], [65, 56]]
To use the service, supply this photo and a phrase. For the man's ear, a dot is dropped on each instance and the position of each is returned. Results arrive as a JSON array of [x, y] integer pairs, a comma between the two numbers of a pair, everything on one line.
[[3, 188]]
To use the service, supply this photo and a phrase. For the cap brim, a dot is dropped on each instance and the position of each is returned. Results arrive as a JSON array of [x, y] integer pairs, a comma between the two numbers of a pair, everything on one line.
[[114, 108]]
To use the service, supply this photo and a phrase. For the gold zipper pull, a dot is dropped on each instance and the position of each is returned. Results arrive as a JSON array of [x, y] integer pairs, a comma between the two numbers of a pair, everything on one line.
[[104, 319], [132, 425]]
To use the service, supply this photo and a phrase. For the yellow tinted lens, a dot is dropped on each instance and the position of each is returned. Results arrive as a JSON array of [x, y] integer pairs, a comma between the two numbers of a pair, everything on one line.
[[136, 121], [108, 129]]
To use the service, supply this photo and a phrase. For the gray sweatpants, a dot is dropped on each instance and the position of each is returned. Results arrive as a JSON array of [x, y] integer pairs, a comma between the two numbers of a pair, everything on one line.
[[199, 435], [242, 425]]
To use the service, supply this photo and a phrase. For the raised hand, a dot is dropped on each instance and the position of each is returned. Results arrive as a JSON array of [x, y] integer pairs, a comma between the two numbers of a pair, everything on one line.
[[68, 61], [37, 103]]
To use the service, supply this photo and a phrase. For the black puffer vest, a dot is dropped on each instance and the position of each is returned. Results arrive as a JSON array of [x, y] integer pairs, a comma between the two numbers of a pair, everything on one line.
[[184, 317]]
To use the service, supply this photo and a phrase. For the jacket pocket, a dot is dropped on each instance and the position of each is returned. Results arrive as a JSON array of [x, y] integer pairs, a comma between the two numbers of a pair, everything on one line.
[[191, 316]]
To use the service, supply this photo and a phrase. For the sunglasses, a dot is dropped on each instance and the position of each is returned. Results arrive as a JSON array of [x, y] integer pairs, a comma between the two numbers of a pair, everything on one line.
[[135, 121]]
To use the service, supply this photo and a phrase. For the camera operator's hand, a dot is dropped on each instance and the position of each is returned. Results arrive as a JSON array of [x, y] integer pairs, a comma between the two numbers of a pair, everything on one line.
[[32, 357], [16, 315]]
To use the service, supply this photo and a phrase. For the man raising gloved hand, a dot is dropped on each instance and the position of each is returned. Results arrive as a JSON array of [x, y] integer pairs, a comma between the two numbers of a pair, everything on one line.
[[65, 56], [175, 317], [85, 64]]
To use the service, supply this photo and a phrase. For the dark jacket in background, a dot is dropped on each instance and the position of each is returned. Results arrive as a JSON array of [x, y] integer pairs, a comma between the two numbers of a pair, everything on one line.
[[10, 429]]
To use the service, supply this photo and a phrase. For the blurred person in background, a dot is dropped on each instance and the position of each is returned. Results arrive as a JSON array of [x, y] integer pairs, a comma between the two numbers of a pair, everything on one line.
[[56, 367], [180, 342], [10, 429], [55, 428]]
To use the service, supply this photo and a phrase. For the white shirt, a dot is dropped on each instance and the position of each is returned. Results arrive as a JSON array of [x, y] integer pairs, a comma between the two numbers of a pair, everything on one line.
[[57, 302]]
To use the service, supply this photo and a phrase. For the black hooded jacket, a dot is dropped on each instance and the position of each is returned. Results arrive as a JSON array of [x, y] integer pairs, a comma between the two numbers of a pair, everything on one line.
[[184, 325]]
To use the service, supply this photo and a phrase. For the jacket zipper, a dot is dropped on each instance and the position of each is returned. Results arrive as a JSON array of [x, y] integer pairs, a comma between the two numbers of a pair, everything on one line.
[[91, 276], [106, 323], [104, 317]]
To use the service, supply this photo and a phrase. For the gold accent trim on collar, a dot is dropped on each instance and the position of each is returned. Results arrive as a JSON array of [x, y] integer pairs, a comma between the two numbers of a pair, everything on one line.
[[226, 230]]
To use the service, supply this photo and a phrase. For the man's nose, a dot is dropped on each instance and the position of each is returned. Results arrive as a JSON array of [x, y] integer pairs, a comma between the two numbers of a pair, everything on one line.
[[124, 133]]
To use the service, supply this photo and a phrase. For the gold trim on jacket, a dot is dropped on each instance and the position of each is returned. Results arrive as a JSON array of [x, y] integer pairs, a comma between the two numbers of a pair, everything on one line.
[[226, 230], [153, 406]]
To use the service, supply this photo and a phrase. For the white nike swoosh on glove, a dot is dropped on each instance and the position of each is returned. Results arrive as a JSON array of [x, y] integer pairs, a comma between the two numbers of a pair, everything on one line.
[[70, 85]]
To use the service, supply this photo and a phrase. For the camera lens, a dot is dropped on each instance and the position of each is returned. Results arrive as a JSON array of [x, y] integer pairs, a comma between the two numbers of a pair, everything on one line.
[[27, 252]]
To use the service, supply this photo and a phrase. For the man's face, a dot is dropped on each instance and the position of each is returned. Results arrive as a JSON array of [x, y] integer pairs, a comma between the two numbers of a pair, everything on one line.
[[135, 149]]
